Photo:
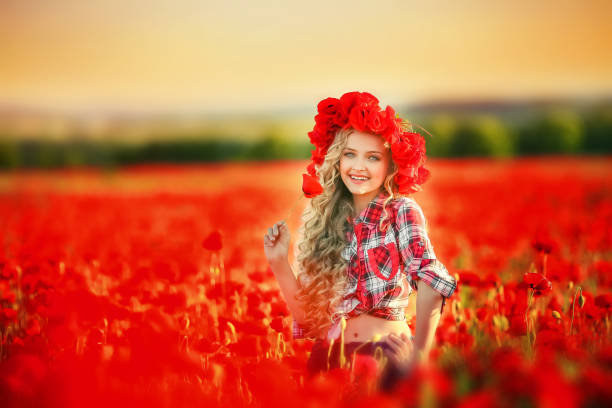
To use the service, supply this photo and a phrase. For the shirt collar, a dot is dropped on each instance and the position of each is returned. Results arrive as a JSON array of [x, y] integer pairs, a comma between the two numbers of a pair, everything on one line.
[[370, 216]]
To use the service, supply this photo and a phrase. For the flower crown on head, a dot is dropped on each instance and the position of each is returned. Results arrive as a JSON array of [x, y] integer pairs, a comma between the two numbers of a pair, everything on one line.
[[360, 111]]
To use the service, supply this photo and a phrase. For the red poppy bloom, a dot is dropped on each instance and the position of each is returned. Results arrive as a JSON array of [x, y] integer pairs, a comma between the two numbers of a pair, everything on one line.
[[365, 366], [604, 301], [213, 241], [33, 327], [469, 278], [311, 186], [277, 324], [544, 243], [538, 283]]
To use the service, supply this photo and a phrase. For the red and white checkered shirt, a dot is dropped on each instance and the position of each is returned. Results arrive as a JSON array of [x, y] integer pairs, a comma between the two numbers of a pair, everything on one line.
[[384, 266]]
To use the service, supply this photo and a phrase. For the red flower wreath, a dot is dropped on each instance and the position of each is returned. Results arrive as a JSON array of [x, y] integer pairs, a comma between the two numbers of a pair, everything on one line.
[[360, 111]]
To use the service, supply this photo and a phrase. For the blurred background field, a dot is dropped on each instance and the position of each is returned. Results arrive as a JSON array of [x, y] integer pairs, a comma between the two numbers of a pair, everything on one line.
[[112, 290]]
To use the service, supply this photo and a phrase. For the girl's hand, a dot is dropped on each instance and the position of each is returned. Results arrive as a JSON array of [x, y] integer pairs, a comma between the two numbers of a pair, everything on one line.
[[402, 354], [276, 242]]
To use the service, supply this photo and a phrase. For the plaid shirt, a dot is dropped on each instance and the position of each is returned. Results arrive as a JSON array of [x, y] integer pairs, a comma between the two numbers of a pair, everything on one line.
[[384, 266]]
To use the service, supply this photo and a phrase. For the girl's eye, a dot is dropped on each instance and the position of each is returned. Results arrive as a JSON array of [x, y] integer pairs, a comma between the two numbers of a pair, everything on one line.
[[372, 158]]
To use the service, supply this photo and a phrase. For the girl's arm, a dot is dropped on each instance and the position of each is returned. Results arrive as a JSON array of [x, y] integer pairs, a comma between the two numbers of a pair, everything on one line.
[[289, 287], [426, 275], [276, 247], [428, 305]]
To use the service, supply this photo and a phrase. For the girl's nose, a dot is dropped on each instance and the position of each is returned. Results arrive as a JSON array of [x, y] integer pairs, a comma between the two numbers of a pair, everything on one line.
[[359, 164]]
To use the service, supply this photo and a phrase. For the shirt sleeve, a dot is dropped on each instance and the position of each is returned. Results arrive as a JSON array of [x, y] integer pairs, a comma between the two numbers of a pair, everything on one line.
[[417, 253], [298, 331]]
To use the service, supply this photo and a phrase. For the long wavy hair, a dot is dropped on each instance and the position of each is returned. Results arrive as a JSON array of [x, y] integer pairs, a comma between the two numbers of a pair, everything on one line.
[[322, 277]]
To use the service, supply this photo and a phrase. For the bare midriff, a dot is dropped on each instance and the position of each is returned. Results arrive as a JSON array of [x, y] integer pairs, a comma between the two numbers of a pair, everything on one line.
[[364, 327]]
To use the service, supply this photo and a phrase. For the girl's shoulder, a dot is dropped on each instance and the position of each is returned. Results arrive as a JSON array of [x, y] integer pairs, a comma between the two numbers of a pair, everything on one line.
[[406, 209], [404, 203]]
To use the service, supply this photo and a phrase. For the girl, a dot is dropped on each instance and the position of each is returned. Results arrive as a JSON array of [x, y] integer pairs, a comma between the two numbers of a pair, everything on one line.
[[364, 244]]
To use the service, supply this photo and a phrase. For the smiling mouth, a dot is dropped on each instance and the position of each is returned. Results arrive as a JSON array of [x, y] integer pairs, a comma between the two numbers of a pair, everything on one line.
[[358, 178]]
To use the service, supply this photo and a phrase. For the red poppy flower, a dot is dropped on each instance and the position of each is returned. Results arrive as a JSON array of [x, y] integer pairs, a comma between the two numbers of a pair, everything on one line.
[[279, 309], [538, 283], [213, 241], [329, 106], [543, 288], [326, 124], [376, 122], [409, 150], [359, 118], [6, 293], [350, 99], [544, 243], [258, 276], [277, 324], [318, 155], [422, 175], [604, 301], [469, 279], [491, 280], [518, 326], [482, 313], [408, 179], [311, 170], [8, 270], [365, 367], [8, 315], [33, 327], [206, 346], [311, 186]]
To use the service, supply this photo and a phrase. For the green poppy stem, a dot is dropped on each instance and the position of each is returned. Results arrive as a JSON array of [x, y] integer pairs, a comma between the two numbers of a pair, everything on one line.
[[573, 307], [293, 207]]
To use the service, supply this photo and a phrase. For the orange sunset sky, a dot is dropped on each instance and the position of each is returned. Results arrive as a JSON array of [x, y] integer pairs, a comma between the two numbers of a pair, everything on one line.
[[252, 55]]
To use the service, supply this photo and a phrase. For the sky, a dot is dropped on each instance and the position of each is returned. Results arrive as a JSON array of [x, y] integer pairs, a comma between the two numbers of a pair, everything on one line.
[[195, 55]]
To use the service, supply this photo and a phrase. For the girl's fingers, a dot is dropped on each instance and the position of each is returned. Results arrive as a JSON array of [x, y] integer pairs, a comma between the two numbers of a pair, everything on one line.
[[393, 343], [274, 232], [400, 347], [406, 343], [268, 241], [407, 340]]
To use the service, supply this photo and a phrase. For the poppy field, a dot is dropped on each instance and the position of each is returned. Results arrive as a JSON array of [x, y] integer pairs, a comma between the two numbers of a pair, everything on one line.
[[148, 286]]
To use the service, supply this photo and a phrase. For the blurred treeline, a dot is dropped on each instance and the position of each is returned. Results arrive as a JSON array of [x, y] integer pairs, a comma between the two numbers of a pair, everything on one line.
[[451, 134]]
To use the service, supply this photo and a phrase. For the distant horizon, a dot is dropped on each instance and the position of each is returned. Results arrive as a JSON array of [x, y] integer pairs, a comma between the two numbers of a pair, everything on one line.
[[297, 109]]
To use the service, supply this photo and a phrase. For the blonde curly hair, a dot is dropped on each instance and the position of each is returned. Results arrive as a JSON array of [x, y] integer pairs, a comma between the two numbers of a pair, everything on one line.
[[322, 277]]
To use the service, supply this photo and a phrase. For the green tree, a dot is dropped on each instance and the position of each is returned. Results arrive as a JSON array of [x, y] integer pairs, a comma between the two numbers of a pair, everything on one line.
[[271, 145], [442, 128], [9, 153], [598, 131], [556, 131], [482, 135]]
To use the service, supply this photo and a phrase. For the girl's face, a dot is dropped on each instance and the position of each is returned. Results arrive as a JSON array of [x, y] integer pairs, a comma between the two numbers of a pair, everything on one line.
[[364, 164]]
